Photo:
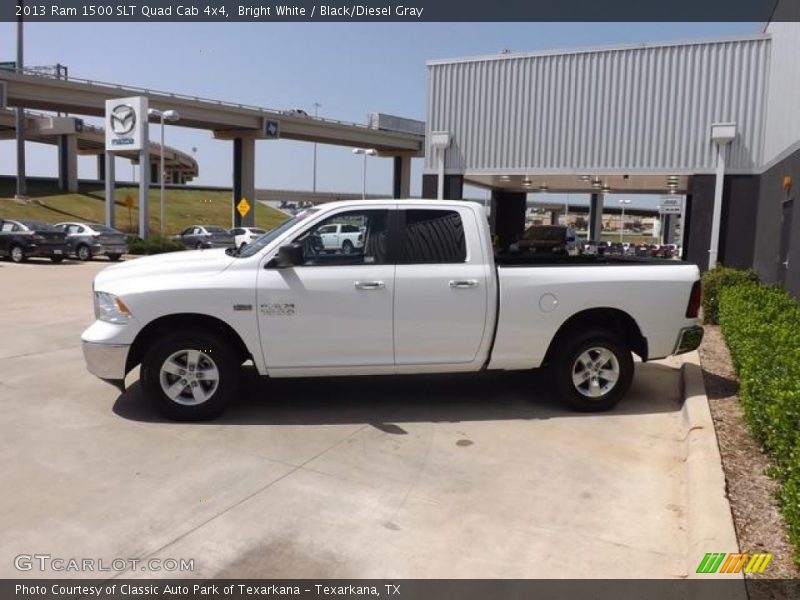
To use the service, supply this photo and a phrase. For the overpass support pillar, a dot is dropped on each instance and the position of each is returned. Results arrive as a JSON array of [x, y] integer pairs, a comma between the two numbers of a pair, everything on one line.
[[244, 179], [68, 163], [595, 216], [667, 229], [101, 167], [554, 214], [508, 216], [401, 187], [453, 187]]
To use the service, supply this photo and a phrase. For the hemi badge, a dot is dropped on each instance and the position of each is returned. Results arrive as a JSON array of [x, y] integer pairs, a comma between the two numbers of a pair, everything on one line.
[[242, 307]]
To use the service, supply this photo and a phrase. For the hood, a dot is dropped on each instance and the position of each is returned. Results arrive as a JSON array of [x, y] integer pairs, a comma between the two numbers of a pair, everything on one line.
[[170, 264]]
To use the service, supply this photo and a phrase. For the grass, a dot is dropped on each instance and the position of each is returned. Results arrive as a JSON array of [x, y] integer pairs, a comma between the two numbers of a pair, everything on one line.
[[182, 207]]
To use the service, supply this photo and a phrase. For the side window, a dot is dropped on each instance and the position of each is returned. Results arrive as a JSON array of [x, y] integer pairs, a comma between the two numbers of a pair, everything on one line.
[[237, 231], [368, 246], [79, 229], [7, 226], [433, 236]]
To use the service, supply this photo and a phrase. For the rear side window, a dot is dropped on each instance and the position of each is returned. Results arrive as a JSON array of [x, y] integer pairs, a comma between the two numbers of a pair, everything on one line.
[[433, 236]]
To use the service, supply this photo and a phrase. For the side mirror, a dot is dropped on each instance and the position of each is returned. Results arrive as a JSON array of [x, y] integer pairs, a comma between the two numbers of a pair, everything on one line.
[[288, 256]]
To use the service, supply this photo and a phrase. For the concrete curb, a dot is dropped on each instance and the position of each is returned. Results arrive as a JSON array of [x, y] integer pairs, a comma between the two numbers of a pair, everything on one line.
[[709, 520]]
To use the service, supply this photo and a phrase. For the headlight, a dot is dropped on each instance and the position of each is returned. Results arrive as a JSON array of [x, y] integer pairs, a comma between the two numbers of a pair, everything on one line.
[[109, 308]]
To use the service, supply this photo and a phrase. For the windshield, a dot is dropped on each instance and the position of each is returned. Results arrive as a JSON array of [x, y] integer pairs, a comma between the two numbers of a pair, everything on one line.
[[258, 244], [37, 225]]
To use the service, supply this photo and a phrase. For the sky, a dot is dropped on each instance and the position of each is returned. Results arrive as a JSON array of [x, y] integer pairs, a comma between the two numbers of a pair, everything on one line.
[[351, 69]]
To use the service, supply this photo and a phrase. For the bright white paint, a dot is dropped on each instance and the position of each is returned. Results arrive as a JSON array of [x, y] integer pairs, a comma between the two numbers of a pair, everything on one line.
[[379, 319]]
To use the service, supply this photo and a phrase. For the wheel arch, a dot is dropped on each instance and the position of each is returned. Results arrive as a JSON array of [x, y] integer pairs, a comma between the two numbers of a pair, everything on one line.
[[613, 319], [183, 321]]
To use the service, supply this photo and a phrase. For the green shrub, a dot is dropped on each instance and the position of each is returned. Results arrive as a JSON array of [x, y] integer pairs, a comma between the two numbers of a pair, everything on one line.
[[761, 325], [155, 244], [713, 281]]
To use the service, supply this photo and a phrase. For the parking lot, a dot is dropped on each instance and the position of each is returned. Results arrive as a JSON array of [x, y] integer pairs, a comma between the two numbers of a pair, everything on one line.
[[430, 476]]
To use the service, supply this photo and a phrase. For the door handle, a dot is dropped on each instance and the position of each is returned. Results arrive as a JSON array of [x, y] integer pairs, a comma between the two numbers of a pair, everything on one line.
[[370, 285], [463, 283]]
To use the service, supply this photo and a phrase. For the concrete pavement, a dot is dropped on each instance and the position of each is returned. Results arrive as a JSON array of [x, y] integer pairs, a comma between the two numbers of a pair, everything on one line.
[[433, 476]]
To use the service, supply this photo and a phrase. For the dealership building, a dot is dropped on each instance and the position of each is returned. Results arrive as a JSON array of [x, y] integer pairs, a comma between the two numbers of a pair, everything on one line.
[[714, 121]]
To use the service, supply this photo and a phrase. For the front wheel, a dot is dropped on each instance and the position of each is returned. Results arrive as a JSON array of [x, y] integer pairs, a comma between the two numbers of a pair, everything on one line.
[[17, 254], [190, 376], [592, 370]]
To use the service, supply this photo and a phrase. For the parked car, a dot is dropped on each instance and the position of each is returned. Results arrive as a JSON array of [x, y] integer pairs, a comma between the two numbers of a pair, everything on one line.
[[425, 295], [85, 240], [244, 235], [25, 238], [205, 236], [341, 237], [595, 247], [548, 239], [616, 249]]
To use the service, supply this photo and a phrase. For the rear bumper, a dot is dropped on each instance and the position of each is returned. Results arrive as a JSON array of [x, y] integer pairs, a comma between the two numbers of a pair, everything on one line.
[[689, 339], [38, 250]]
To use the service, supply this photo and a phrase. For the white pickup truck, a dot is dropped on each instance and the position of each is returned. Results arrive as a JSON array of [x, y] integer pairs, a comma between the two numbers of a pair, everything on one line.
[[424, 293]]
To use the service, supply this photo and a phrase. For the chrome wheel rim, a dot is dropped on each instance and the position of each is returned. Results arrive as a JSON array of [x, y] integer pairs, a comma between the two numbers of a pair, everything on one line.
[[83, 253], [595, 372], [16, 254], [189, 377]]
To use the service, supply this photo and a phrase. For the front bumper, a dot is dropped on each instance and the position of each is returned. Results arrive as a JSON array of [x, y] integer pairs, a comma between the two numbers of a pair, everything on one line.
[[689, 339], [106, 361]]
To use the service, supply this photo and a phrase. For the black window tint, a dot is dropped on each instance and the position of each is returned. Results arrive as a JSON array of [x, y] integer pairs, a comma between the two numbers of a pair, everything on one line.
[[433, 236]]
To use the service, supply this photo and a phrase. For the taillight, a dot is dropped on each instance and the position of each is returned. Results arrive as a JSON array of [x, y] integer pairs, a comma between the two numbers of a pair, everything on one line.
[[693, 308]]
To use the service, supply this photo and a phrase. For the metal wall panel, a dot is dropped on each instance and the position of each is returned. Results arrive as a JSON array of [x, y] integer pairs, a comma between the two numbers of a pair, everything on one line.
[[783, 99], [633, 109]]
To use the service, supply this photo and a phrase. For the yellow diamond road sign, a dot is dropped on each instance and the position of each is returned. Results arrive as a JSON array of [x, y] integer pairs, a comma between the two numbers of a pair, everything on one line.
[[243, 207]]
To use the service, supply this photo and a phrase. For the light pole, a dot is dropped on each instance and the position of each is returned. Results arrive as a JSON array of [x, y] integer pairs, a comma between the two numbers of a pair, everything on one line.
[[162, 115], [622, 220], [22, 185], [314, 178], [366, 152]]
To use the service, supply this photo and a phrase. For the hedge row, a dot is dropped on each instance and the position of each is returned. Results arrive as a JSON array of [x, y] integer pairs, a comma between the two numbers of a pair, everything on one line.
[[155, 244], [761, 325], [713, 281]]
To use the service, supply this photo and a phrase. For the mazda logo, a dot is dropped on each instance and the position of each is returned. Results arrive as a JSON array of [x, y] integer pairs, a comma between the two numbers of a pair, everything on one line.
[[123, 119]]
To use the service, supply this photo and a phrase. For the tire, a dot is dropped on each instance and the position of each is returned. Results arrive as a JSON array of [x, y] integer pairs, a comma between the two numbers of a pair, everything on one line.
[[83, 252], [57, 259], [167, 375], [17, 254], [599, 354], [114, 257], [347, 247], [198, 246]]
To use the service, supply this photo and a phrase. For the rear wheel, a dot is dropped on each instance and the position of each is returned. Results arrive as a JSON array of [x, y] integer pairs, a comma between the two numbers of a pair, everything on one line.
[[347, 247], [190, 376], [592, 370], [113, 257], [198, 246], [56, 259], [83, 252], [17, 254]]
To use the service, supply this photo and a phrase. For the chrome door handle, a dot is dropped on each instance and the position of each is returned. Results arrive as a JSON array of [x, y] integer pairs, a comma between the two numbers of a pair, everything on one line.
[[370, 285], [463, 283]]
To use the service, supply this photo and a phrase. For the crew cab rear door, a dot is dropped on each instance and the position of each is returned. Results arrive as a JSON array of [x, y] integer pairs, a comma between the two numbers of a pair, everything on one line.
[[441, 287]]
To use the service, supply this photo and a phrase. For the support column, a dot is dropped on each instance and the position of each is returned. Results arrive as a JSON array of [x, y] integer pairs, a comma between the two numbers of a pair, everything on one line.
[[595, 216], [554, 214], [453, 187], [401, 185], [68, 163], [144, 189], [508, 216], [101, 167], [244, 183], [108, 173], [155, 173], [667, 227]]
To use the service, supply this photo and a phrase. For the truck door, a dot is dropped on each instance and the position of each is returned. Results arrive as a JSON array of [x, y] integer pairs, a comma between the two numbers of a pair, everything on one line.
[[440, 289], [335, 310]]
